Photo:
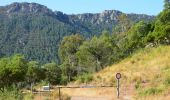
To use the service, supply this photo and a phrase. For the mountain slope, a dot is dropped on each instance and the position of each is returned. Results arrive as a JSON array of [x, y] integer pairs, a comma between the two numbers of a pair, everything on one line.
[[146, 72], [36, 31]]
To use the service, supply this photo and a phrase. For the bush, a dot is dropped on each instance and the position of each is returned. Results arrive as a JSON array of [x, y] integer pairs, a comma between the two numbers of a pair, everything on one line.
[[11, 93], [167, 81], [137, 85], [84, 78], [150, 91], [64, 80]]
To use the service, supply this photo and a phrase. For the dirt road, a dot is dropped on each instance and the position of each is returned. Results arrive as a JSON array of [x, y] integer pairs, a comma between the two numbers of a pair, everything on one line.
[[90, 98]]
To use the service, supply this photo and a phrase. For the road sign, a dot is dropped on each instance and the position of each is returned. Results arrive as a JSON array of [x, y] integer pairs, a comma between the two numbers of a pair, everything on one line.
[[118, 75]]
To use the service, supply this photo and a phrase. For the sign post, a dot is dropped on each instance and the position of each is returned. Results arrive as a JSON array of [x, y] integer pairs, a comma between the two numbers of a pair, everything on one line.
[[118, 76]]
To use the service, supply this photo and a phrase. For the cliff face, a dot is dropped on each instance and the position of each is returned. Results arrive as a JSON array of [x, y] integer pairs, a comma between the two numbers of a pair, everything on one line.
[[26, 8], [36, 31]]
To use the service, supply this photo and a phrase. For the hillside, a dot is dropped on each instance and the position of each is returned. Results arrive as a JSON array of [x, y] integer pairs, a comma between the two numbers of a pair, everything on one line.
[[145, 73], [36, 31]]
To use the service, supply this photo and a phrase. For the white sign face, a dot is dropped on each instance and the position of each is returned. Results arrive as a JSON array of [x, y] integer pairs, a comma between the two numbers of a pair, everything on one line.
[[118, 75]]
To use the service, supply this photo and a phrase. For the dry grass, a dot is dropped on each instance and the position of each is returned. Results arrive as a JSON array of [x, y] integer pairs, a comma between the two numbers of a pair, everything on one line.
[[149, 68]]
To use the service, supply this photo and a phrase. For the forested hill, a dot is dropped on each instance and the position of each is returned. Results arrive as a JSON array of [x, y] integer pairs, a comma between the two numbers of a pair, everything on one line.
[[36, 31]]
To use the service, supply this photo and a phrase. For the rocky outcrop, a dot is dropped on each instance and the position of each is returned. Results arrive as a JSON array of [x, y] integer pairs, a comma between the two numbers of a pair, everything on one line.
[[26, 8]]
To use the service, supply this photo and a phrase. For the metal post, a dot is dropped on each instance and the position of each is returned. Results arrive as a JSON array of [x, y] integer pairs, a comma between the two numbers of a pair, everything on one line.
[[49, 86], [118, 85], [118, 76], [59, 93]]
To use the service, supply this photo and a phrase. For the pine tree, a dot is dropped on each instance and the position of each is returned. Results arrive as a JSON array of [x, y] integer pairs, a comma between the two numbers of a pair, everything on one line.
[[166, 4]]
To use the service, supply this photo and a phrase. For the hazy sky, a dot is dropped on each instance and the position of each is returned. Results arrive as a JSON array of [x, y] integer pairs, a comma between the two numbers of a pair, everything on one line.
[[151, 7]]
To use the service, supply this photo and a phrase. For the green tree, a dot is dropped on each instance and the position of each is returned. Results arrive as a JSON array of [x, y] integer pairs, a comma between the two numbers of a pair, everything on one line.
[[95, 54], [137, 34], [69, 46], [18, 68], [166, 4], [67, 53], [135, 38], [161, 32], [34, 73], [53, 73], [4, 72], [12, 70]]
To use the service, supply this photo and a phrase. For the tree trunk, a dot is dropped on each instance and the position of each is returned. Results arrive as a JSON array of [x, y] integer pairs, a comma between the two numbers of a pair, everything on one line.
[[31, 87]]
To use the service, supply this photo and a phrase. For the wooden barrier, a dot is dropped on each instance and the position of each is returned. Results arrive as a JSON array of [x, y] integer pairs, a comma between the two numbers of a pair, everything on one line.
[[87, 86]]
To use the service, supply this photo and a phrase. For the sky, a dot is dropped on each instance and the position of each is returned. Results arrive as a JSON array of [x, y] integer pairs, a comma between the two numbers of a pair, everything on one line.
[[150, 7]]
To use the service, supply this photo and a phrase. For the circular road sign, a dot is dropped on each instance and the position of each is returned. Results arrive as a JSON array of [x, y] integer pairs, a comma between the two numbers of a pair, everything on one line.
[[118, 75]]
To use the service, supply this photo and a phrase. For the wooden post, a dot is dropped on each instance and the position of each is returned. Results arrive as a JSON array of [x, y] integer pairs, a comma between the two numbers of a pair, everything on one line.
[[59, 93], [40, 92]]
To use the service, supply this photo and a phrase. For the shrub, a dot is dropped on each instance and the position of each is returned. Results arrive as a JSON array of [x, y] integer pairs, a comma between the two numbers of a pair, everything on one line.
[[137, 85], [11, 93], [167, 81], [84, 78], [150, 91], [64, 80], [28, 96]]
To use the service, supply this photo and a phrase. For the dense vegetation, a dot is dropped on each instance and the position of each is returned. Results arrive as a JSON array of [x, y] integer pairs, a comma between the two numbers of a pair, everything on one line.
[[35, 31]]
